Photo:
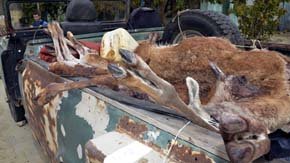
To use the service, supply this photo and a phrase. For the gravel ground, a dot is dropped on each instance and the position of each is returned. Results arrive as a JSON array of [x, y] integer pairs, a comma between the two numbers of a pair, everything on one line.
[[282, 37], [17, 144]]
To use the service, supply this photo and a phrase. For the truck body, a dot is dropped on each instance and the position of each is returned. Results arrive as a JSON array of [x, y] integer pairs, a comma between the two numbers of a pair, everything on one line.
[[96, 124]]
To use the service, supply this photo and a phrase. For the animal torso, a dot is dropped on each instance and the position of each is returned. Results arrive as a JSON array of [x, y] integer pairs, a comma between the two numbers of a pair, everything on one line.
[[260, 88]]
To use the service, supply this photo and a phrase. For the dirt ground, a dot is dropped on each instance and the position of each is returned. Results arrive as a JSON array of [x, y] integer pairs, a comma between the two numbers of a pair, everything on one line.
[[16, 143], [282, 37]]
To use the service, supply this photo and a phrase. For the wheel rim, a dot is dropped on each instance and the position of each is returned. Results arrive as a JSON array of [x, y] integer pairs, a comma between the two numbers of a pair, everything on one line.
[[187, 33]]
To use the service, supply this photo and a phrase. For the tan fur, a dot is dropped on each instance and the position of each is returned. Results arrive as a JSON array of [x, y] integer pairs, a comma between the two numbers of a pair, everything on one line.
[[249, 98], [264, 69]]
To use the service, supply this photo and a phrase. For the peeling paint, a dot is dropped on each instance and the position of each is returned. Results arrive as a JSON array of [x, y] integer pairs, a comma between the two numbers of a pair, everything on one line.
[[153, 135], [80, 151], [42, 119], [62, 130], [60, 159], [65, 125], [93, 154], [131, 127], [130, 153], [78, 130], [182, 153], [94, 112]]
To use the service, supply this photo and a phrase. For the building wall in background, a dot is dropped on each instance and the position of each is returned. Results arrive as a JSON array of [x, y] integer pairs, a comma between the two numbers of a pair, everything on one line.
[[285, 20], [205, 5]]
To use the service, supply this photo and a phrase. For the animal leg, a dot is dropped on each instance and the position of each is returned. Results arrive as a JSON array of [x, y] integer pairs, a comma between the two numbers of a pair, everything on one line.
[[153, 37], [63, 53], [63, 69], [51, 90], [139, 75], [87, 56], [66, 52], [245, 139], [81, 49], [53, 33]]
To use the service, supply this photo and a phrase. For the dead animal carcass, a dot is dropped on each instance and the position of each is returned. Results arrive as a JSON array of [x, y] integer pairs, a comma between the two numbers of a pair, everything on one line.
[[244, 95]]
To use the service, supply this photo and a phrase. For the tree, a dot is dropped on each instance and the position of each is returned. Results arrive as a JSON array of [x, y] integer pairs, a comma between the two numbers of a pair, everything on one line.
[[259, 20]]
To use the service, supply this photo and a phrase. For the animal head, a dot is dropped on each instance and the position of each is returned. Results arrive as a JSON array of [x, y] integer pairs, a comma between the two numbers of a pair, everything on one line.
[[145, 47]]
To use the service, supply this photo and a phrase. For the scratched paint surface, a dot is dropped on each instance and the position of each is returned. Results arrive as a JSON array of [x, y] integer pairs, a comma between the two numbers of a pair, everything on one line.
[[72, 118], [42, 119], [153, 136], [77, 130]]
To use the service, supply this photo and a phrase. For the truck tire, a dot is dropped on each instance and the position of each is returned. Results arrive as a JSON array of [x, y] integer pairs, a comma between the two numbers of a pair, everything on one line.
[[202, 23], [17, 112]]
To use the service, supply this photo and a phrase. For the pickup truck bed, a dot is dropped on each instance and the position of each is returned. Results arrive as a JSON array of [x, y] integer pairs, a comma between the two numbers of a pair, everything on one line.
[[67, 125]]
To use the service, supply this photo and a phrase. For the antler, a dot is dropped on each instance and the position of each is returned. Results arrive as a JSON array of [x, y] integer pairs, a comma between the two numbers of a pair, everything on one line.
[[51, 90]]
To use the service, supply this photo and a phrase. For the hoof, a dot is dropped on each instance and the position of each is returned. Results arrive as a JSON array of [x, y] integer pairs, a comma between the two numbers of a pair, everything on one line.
[[245, 138], [116, 71], [128, 56], [241, 153]]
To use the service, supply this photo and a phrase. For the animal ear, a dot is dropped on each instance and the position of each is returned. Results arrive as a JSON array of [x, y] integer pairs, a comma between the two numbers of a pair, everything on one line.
[[153, 37], [217, 71], [193, 91]]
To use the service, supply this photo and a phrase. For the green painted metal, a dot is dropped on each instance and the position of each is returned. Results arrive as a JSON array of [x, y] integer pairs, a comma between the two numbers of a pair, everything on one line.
[[77, 130], [163, 139]]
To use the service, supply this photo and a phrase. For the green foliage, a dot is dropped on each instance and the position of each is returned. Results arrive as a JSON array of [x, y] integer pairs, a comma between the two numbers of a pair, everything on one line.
[[259, 20], [217, 1], [110, 10], [135, 3], [185, 4], [55, 11]]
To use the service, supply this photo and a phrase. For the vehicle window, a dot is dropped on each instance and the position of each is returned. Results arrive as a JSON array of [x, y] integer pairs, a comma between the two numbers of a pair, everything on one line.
[[35, 15], [110, 10]]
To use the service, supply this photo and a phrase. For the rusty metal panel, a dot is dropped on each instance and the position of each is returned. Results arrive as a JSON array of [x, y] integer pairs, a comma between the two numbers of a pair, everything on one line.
[[119, 147], [115, 146], [151, 135], [42, 119], [70, 120]]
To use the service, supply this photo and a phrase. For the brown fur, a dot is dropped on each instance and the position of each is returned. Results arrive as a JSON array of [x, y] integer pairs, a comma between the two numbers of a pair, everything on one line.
[[247, 101], [264, 70]]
